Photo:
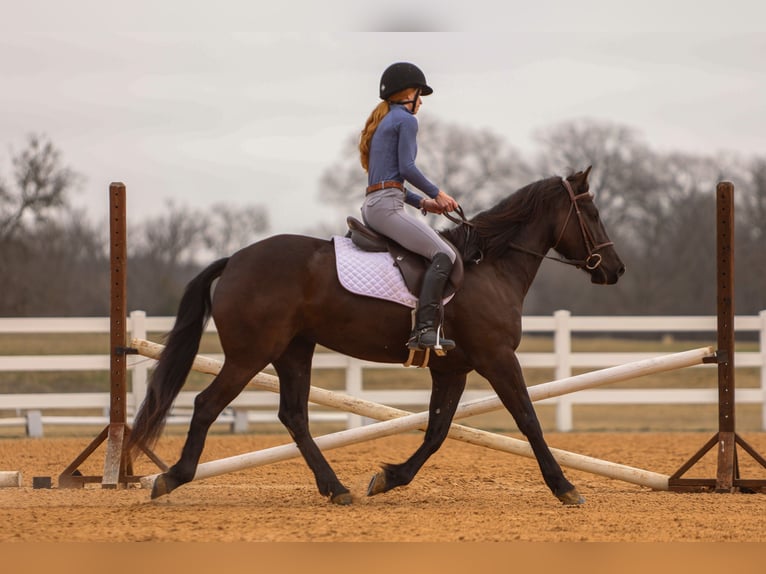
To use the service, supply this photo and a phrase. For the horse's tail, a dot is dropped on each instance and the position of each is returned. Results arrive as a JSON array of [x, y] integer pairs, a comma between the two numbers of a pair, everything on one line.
[[176, 359]]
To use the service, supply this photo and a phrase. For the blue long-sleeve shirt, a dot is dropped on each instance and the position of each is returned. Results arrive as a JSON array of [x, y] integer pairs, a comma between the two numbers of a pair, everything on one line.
[[392, 154]]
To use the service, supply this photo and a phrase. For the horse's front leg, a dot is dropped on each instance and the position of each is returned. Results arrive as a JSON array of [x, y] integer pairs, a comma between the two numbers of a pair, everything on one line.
[[505, 375], [294, 370], [447, 388]]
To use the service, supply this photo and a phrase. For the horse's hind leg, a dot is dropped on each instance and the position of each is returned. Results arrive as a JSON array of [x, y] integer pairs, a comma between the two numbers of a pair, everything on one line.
[[207, 406], [294, 370], [447, 388]]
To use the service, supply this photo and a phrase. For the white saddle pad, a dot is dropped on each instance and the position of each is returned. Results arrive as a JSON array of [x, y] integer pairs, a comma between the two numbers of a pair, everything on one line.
[[371, 274]]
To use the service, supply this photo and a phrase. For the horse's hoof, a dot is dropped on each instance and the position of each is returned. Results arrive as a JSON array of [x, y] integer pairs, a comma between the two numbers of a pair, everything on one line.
[[342, 499], [377, 484], [571, 498], [161, 487]]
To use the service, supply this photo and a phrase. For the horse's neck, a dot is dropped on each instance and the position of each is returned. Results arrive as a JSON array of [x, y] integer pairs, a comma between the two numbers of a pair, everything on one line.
[[519, 270], [520, 266]]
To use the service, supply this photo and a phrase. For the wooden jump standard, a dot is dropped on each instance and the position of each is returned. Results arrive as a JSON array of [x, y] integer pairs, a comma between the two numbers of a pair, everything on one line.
[[117, 467], [726, 439], [397, 421]]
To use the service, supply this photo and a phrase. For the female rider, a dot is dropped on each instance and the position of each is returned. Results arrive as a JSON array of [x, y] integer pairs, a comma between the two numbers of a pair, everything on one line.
[[388, 146]]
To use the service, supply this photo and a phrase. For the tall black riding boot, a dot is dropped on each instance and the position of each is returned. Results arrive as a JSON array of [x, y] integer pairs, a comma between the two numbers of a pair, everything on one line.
[[431, 293]]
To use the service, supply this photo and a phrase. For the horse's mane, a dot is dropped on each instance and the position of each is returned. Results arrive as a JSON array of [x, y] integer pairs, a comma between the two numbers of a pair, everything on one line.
[[492, 231]]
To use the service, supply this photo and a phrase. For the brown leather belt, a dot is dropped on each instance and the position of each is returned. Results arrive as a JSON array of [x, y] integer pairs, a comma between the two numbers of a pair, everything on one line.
[[385, 185]]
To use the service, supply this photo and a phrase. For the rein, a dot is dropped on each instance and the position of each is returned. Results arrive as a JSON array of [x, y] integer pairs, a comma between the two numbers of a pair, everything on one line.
[[591, 262], [461, 219]]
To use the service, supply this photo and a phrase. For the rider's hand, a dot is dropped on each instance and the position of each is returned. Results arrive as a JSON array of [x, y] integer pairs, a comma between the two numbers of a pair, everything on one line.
[[430, 206], [445, 202]]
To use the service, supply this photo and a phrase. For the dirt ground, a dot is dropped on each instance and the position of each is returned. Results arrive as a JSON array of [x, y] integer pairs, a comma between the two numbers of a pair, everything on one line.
[[464, 493]]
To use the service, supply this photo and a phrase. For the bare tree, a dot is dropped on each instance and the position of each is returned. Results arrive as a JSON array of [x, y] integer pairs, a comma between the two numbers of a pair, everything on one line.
[[49, 253], [40, 186], [60, 269], [55, 262], [750, 233], [752, 199], [161, 258], [623, 175], [169, 248], [228, 228], [343, 182], [477, 167], [170, 238], [183, 235]]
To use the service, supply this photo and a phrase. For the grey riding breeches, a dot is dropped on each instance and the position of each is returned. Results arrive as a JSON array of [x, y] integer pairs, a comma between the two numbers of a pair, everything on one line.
[[384, 212]]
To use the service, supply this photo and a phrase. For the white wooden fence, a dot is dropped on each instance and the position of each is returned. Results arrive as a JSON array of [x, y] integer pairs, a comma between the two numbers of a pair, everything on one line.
[[26, 409]]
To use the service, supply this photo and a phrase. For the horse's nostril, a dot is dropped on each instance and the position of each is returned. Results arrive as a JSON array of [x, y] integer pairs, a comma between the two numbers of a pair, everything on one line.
[[621, 270]]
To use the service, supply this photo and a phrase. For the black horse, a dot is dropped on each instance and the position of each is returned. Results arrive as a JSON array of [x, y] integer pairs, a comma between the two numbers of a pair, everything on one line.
[[278, 298]]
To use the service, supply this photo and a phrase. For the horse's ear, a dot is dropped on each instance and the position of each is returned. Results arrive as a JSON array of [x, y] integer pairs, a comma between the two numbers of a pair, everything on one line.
[[586, 173]]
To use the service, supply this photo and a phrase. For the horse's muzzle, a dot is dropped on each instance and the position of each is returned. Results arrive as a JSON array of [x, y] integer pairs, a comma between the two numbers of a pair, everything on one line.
[[603, 275]]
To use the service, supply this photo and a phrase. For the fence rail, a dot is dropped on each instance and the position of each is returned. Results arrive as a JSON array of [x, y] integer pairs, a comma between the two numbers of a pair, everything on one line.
[[248, 407]]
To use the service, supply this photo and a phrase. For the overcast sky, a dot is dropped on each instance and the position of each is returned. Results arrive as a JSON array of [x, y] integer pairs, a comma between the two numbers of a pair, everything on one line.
[[248, 102]]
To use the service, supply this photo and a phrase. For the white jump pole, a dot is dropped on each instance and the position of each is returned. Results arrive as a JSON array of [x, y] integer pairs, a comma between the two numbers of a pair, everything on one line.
[[397, 420], [10, 478]]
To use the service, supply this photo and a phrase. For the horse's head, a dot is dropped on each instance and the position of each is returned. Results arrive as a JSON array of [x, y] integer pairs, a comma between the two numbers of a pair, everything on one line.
[[581, 236]]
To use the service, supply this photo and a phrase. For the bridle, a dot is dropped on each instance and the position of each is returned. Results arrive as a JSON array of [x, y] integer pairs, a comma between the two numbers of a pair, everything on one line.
[[593, 259]]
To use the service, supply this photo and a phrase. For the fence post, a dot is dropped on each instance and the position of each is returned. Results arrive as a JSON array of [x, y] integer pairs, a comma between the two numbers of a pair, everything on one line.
[[762, 344], [562, 348], [34, 424], [140, 371], [354, 388]]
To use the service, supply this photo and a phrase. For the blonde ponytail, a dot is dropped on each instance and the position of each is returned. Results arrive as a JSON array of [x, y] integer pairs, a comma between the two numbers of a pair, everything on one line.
[[374, 120], [370, 126]]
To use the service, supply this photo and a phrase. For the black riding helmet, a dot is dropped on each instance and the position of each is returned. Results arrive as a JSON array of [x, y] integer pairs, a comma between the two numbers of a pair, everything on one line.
[[400, 76]]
